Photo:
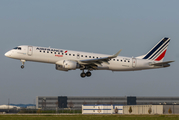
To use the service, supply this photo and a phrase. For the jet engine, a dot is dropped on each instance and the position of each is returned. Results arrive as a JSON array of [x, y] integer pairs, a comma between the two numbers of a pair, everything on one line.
[[66, 65]]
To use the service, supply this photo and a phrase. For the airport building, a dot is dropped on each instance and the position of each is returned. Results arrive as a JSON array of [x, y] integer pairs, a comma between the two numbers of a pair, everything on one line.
[[53, 102], [130, 109]]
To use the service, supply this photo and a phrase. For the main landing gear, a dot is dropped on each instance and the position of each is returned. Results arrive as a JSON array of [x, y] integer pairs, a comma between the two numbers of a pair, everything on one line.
[[23, 62], [87, 74]]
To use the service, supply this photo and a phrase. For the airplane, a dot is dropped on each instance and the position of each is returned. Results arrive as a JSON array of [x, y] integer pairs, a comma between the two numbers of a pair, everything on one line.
[[66, 60]]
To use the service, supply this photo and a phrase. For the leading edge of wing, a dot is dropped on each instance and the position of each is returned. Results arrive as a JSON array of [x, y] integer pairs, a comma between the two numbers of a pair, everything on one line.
[[99, 60]]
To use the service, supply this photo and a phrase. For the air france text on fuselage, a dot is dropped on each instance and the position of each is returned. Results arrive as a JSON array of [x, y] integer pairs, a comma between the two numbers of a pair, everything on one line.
[[49, 49]]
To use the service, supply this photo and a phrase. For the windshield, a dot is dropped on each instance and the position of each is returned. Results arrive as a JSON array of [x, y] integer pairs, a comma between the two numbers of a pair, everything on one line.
[[19, 48]]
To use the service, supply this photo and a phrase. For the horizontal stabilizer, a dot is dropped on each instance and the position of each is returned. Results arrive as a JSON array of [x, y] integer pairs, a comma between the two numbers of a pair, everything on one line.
[[165, 64]]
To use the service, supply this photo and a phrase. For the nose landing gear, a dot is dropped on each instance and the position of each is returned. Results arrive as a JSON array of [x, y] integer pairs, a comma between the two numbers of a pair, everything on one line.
[[23, 62], [87, 74]]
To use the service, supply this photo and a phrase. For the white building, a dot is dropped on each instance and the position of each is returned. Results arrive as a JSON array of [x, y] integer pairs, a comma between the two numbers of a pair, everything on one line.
[[102, 109]]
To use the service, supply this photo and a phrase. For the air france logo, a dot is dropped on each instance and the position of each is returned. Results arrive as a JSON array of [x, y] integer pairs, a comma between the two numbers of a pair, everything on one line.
[[52, 50], [48, 49]]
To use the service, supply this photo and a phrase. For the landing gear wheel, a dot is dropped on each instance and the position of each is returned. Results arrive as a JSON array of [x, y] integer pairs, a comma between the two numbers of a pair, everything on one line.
[[88, 74], [83, 74], [22, 66], [23, 62]]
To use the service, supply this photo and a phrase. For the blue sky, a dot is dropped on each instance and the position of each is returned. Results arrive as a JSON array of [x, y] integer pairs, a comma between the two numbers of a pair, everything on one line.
[[99, 26]]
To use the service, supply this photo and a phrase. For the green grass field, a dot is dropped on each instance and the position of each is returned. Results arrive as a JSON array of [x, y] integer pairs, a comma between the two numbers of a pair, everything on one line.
[[89, 117]]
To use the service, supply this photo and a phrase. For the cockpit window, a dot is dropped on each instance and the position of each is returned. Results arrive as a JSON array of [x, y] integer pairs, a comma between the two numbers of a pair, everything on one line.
[[19, 48]]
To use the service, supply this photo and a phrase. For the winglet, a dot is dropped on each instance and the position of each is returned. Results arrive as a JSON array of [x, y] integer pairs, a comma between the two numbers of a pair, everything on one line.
[[115, 55]]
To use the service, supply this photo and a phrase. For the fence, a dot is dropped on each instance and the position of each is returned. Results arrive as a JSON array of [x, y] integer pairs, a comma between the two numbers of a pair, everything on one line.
[[40, 111]]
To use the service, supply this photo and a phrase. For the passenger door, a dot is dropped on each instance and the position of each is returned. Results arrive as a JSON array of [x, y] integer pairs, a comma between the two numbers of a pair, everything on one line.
[[134, 62], [30, 50]]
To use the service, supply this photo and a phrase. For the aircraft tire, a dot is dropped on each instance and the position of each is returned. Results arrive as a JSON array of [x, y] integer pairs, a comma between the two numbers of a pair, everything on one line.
[[22, 66], [88, 74], [83, 75]]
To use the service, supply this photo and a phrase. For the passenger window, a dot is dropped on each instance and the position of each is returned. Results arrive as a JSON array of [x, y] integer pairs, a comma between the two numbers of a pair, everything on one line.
[[58, 53], [128, 61], [89, 56], [54, 52], [69, 54], [124, 60], [81, 55], [117, 59], [85, 56], [66, 54], [47, 51], [93, 57], [51, 52], [73, 54], [113, 59], [62, 53], [44, 51], [121, 60], [40, 50], [97, 57], [78, 55]]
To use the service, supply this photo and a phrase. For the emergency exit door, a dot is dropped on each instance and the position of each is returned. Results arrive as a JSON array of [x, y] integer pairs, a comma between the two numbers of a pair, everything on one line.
[[29, 51]]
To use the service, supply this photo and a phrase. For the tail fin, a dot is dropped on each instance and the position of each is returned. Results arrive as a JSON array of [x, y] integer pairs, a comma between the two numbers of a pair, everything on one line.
[[157, 53]]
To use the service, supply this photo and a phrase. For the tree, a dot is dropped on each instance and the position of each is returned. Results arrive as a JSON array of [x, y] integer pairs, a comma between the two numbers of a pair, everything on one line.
[[169, 111], [150, 110], [130, 109], [116, 110]]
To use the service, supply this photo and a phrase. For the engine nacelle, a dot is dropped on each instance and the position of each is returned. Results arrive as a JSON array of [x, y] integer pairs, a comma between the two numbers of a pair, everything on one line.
[[71, 65], [66, 65]]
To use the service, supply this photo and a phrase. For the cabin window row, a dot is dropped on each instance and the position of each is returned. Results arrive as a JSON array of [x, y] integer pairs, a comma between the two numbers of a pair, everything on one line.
[[83, 56]]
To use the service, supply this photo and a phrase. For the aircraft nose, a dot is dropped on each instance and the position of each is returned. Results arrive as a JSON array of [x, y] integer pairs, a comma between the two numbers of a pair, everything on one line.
[[7, 54]]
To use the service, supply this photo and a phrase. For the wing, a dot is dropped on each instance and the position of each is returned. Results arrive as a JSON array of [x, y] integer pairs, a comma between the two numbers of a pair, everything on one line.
[[99, 60], [165, 64]]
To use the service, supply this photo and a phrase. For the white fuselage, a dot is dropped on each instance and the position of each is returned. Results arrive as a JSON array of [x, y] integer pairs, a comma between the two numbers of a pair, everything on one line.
[[51, 55]]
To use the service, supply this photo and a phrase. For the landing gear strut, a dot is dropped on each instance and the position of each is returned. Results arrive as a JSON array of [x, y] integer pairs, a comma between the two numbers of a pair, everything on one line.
[[87, 74], [23, 62]]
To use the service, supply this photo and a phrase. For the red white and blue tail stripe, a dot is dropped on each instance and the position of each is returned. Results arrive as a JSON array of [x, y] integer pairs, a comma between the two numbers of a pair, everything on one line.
[[157, 53]]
